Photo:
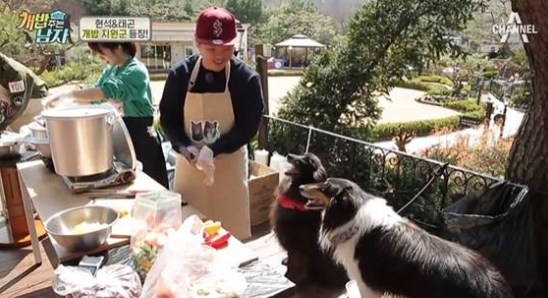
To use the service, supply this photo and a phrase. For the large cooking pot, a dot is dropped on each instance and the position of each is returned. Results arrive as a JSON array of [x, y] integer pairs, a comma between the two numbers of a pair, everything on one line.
[[80, 139]]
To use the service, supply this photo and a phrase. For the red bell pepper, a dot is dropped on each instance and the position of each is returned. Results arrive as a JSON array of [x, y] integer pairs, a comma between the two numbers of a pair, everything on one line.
[[219, 240]]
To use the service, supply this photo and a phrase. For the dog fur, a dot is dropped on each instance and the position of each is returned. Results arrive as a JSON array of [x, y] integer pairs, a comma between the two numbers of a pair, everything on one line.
[[387, 254], [297, 230]]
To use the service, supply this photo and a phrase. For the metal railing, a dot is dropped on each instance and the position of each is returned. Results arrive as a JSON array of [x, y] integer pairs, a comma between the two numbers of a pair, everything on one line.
[[394, 175]]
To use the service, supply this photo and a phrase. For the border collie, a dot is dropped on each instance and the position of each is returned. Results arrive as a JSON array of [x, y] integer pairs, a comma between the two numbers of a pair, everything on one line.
[[297, 229], [386, 253]]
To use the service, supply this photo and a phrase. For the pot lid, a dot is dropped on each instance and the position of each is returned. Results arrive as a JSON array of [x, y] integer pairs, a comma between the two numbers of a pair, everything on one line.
[[122, 144], [79, 112]]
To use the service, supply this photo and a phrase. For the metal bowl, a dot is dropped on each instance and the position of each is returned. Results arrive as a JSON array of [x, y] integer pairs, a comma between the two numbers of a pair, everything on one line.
[[60, 226]]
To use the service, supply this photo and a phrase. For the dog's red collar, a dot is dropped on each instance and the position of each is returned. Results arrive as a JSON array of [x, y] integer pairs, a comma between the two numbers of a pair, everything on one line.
[[288, 203]]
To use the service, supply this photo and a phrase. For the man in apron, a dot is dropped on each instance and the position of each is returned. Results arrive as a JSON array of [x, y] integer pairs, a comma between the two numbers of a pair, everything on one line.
[[213, 103], [21, 92]]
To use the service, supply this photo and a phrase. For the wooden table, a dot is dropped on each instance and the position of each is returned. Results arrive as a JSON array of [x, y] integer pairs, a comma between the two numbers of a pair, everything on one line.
[[49, 195]]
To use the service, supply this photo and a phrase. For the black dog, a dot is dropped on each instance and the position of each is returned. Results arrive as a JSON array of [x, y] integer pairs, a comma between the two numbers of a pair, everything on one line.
[[386, 253], [297, 228]]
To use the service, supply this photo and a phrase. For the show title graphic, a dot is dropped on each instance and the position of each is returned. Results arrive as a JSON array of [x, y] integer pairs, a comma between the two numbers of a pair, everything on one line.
[[50, 27]]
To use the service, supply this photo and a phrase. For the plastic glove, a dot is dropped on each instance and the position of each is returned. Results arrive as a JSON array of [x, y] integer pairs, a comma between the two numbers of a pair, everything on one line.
[[206, 165]]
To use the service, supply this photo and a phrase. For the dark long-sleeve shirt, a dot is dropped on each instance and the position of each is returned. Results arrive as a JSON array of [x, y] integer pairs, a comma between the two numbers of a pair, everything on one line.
[[247, 102]]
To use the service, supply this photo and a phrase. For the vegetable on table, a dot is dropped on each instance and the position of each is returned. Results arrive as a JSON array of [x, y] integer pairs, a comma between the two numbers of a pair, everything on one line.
[[218, 241], [212, 228]]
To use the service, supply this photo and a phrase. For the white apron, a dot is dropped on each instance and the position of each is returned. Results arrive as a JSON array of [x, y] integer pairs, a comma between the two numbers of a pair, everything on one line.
[[207, 116]]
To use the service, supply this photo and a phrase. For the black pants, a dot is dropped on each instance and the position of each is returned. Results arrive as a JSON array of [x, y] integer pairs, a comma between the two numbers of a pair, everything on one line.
[[148, 148]]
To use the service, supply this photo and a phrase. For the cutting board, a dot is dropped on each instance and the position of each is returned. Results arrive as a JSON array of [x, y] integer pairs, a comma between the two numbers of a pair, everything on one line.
[[235, 251]]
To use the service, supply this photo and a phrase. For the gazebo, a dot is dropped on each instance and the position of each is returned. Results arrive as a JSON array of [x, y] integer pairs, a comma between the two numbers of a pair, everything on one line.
[[298, 41]]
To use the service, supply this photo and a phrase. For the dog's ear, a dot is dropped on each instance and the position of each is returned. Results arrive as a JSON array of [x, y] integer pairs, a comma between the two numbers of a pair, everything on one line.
[[320, 174], [342, 192]]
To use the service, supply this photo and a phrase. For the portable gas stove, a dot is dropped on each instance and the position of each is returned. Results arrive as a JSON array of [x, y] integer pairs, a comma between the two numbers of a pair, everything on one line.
[[119, 175]]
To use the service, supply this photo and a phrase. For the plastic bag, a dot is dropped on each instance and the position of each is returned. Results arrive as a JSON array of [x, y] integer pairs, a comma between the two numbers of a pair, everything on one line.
[[186, 268], [113, 281], [154, 215], [506, 224]]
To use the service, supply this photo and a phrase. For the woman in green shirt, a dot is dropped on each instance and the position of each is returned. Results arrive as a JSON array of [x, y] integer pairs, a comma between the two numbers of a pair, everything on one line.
[[125, 82]]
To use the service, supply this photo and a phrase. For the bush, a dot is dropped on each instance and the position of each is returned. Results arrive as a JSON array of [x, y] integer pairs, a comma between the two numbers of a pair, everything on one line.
[[487, 155], [85, 68], [431, 78], [521, 97], [158, 76], [385, 131], [464, 106], [413, 84], [444, 92], [491, 74], [469, 107], [431, 88], [51, 79], [285, 73]]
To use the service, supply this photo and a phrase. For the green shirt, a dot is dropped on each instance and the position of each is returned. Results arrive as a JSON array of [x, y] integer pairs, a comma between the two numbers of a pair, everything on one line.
[[129, 84]]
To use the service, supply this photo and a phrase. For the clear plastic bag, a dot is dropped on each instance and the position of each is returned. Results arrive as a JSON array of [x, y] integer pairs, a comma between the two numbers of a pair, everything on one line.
[[113, 281], [187, 268], [154, 215]]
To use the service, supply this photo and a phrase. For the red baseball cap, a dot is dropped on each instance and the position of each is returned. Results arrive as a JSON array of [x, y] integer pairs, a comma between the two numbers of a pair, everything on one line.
[[216, 26]]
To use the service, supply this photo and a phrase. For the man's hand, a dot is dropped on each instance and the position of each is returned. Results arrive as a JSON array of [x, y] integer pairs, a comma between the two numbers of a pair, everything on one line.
[[51, 101], [205, 164], [190, 153]]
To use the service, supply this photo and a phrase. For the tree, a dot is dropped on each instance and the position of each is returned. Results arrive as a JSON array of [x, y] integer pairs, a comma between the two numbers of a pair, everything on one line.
[[520, 63], [295, 17], [19, 44], [338, 90], [189, 8], [159, 10], [480, 29], [107, 7], [246, 11], [527, 162]]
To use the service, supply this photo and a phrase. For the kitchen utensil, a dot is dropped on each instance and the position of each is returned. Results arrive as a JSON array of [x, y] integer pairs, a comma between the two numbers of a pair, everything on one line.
[[10, 144], [80, 139], [122, 144], [60, 226], [40, 120], [41, 145], [38, 131]]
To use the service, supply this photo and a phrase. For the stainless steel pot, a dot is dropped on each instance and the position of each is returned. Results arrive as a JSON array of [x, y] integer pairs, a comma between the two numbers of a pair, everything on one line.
[[80, 140]]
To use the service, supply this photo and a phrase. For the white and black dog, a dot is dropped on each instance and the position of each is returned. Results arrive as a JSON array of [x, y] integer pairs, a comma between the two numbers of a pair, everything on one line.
[[386, 253]]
